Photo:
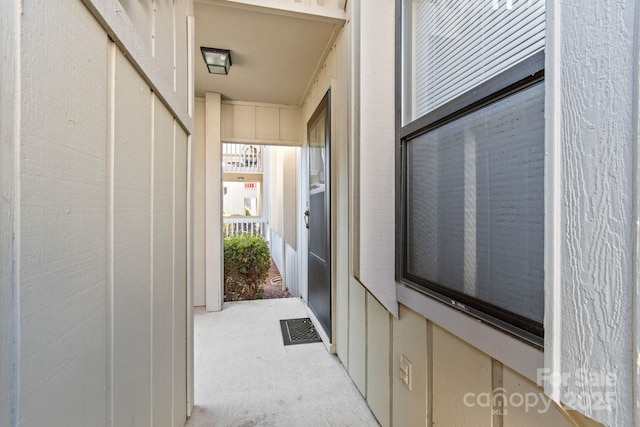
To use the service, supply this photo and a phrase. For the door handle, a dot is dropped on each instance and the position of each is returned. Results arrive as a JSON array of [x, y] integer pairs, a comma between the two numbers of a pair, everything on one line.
[[306, 218]]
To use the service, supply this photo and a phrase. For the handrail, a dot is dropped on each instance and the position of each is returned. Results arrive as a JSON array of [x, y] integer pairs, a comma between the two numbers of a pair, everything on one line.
[[236, 226]]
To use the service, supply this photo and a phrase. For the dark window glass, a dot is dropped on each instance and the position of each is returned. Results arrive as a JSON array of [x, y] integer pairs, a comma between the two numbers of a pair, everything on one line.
[[474, 209]]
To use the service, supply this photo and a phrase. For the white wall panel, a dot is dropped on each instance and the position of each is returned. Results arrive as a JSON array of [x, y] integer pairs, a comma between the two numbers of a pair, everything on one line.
[[378, 360], [291, 274], [142, 15], [131, 211], [61, 223], [179, 276], [357, 365], [260, 123], [289, 171], [410, 339], [277, 250], [539, 412], [267, 123], [290, 125], [162, 265], [459, 369], [244, 122], [97, 221], [164, 37], [276, 187]]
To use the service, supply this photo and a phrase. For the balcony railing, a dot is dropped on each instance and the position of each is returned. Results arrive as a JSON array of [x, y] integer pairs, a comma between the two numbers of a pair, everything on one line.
[[236, 226], [240, 158]]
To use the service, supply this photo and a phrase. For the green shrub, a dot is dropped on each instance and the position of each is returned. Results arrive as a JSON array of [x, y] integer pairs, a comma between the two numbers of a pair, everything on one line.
[[246, 265]]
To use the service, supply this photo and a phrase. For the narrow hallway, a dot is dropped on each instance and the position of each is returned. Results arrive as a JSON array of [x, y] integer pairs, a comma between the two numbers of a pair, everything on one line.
[[245, 376]]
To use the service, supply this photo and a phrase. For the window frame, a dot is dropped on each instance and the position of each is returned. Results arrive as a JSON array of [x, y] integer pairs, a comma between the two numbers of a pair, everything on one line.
[[523, 75]]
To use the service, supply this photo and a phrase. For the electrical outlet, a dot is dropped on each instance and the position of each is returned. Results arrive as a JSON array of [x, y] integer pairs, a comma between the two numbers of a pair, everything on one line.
[[405, 372]]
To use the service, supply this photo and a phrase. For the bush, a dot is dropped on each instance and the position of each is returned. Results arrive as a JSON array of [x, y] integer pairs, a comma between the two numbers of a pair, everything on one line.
[[246, 265]]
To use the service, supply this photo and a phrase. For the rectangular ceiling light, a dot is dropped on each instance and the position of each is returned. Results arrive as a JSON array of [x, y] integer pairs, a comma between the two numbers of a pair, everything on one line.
[[218, 60]]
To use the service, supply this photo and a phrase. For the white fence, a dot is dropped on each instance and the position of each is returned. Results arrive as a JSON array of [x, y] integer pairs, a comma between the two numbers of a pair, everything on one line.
[[241, 158], [235, 226]]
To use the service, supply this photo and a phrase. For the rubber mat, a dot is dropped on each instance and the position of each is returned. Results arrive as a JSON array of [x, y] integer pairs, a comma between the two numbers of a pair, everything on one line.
[[299, 331]]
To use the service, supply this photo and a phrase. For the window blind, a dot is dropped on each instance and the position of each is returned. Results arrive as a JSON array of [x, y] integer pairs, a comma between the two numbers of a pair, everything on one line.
[[458, 44], [475, 211]]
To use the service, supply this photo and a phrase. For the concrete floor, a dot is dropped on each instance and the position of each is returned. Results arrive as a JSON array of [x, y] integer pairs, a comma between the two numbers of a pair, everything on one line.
[[245, 376]]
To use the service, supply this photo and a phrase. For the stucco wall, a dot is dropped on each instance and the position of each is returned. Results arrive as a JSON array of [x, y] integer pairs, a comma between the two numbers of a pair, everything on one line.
[[98, 284]]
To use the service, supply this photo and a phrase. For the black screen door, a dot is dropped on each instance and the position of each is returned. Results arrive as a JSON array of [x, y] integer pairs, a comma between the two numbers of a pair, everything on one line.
[[319, 215]]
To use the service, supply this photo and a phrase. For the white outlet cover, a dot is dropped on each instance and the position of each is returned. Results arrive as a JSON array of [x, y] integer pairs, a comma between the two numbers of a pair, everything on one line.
[[406, 372]]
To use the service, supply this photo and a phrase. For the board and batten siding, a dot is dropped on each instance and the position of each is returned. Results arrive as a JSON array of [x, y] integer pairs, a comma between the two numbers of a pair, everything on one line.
[[94, 226]]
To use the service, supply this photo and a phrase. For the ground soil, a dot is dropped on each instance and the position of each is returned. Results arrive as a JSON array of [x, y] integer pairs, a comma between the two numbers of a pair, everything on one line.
[[274, 290]]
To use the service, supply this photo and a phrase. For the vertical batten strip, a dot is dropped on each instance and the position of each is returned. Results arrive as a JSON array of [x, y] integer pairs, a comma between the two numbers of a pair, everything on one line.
[[173, 277], [9, 140], [190, 274], [17, 119], [429, 373], [190, 69], [497, 394], [152, 149], [109, 288], [174, 71], [154, 7]]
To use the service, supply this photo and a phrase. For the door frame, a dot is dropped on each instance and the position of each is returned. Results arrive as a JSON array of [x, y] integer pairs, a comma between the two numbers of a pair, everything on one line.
[[323, 107], [335, 201]]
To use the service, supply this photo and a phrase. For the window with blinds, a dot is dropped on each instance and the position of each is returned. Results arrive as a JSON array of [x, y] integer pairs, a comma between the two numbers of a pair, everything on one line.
[[471, 182], [452, 46]]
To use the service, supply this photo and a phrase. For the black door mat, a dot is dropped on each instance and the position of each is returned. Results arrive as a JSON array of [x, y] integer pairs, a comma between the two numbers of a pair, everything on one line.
[[299, 331]]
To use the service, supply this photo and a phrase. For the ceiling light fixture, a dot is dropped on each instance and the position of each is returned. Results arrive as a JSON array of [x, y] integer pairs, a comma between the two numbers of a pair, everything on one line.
[[218, 60]]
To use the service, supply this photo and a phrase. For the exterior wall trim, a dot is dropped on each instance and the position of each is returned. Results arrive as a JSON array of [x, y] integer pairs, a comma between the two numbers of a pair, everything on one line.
[[113, 18]]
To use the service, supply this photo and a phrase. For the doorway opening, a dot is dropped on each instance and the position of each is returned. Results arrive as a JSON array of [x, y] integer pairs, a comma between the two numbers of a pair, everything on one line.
[[259, 189]]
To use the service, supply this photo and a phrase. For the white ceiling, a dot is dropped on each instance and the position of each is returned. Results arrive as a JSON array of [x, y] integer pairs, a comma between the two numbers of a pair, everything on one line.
[[274, 55]]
